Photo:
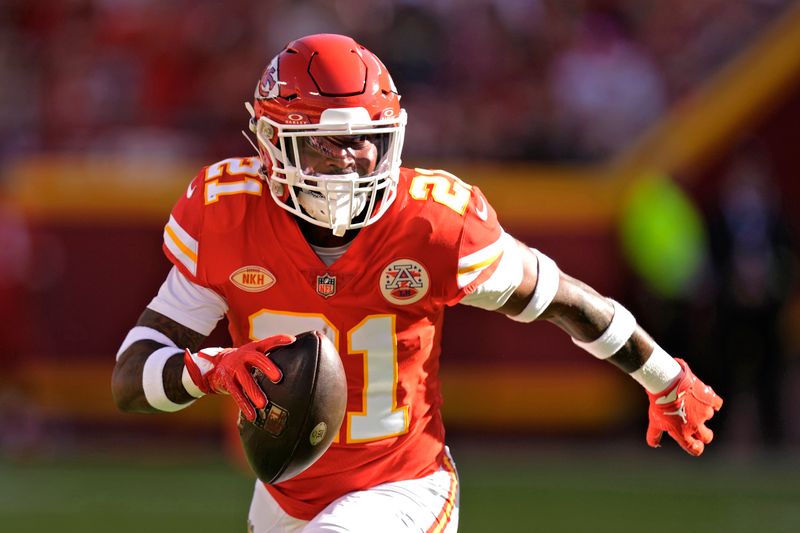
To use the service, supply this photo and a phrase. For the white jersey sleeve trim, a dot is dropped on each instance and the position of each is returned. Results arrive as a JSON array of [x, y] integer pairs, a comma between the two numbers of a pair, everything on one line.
[[471, 266], [153, 380], [498, 288], [182, 245], [188, 303]]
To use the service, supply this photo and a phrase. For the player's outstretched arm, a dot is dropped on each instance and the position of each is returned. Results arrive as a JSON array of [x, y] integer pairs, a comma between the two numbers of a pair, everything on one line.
[[149, 373], [680, 404]]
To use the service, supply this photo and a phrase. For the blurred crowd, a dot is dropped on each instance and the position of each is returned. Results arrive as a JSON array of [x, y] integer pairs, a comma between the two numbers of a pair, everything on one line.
[[492, 79]]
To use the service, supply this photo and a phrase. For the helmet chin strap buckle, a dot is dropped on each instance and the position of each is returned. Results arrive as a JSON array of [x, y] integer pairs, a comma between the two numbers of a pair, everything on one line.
[[340, 229], [341, 218]]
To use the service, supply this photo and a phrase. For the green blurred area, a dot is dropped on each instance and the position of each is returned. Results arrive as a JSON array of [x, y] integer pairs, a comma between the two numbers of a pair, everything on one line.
[[522, 490], [662, 235]]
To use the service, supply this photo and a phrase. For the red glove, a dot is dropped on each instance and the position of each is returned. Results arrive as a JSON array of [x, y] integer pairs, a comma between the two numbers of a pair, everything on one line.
[[682, 410], [229, 371]]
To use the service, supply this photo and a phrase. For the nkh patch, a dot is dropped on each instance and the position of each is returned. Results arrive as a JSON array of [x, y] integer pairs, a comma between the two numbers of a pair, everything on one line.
[[253, 278], [326, 285], [404, 281]]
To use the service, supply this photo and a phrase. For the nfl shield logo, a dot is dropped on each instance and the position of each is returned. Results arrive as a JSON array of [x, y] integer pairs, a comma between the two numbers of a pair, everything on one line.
[[326, 285]]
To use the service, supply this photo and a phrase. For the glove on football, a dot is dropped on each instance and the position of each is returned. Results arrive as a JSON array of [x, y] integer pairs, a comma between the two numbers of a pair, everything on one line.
[[229, 371], [682, 410]]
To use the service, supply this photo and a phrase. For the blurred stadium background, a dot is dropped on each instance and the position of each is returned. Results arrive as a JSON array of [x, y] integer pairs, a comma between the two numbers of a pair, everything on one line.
[[649, 146]]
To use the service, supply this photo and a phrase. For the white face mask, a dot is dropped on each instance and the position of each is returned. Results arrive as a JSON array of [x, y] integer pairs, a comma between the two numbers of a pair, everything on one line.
[[337, 201], [338, 206]]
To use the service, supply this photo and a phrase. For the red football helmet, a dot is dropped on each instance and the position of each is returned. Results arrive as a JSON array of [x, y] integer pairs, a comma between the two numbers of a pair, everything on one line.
[[330, 129]]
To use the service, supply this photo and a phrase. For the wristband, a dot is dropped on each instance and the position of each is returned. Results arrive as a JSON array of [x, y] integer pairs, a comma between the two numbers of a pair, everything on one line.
[[614, 337], [658, 372], [545, 291], [189, 384], [203, 365]]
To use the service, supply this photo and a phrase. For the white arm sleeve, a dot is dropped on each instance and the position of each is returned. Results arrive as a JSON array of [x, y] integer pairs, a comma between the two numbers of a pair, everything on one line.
[[188, 303], [498, 288]]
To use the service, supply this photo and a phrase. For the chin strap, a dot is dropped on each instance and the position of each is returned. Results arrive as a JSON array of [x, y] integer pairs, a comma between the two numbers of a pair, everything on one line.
[[340, 229]]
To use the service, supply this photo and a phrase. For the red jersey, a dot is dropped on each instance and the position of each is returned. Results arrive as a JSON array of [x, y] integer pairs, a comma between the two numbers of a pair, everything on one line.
[[381, 303]]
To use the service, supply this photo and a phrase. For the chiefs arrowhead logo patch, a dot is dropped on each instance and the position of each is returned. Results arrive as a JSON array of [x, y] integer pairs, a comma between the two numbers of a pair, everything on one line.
[[404, 281], [253, 278]]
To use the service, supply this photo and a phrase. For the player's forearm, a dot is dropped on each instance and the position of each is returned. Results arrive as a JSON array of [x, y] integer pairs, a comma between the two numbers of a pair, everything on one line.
[[585, 315], [598, 324], [149, 374]]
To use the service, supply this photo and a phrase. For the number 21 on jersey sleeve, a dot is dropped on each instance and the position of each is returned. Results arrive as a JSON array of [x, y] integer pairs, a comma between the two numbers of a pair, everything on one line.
[[248, 167], [375, 339], [443, 187]]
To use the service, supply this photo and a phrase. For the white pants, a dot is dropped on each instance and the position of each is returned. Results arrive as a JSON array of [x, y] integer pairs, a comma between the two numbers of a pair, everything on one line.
[[426, 504]]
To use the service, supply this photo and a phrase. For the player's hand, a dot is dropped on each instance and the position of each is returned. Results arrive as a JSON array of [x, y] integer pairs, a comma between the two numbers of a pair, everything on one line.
[[229, 371], [682, 410]]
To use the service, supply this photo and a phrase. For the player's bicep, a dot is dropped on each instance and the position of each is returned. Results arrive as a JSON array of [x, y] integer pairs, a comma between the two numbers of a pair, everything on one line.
[[181, 335]]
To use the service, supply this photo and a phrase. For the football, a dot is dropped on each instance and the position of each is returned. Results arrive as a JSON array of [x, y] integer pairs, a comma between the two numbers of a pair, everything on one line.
[[304, 411]]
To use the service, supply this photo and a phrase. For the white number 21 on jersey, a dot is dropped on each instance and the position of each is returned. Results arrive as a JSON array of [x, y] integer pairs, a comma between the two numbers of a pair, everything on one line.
[[374, 338]]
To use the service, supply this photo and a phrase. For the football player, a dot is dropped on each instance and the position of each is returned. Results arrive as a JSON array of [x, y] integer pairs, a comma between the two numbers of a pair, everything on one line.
[[325, 230]]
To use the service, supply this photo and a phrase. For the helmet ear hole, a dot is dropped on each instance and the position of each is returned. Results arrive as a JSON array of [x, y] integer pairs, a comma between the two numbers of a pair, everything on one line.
[[265, 130], [279, 189]]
